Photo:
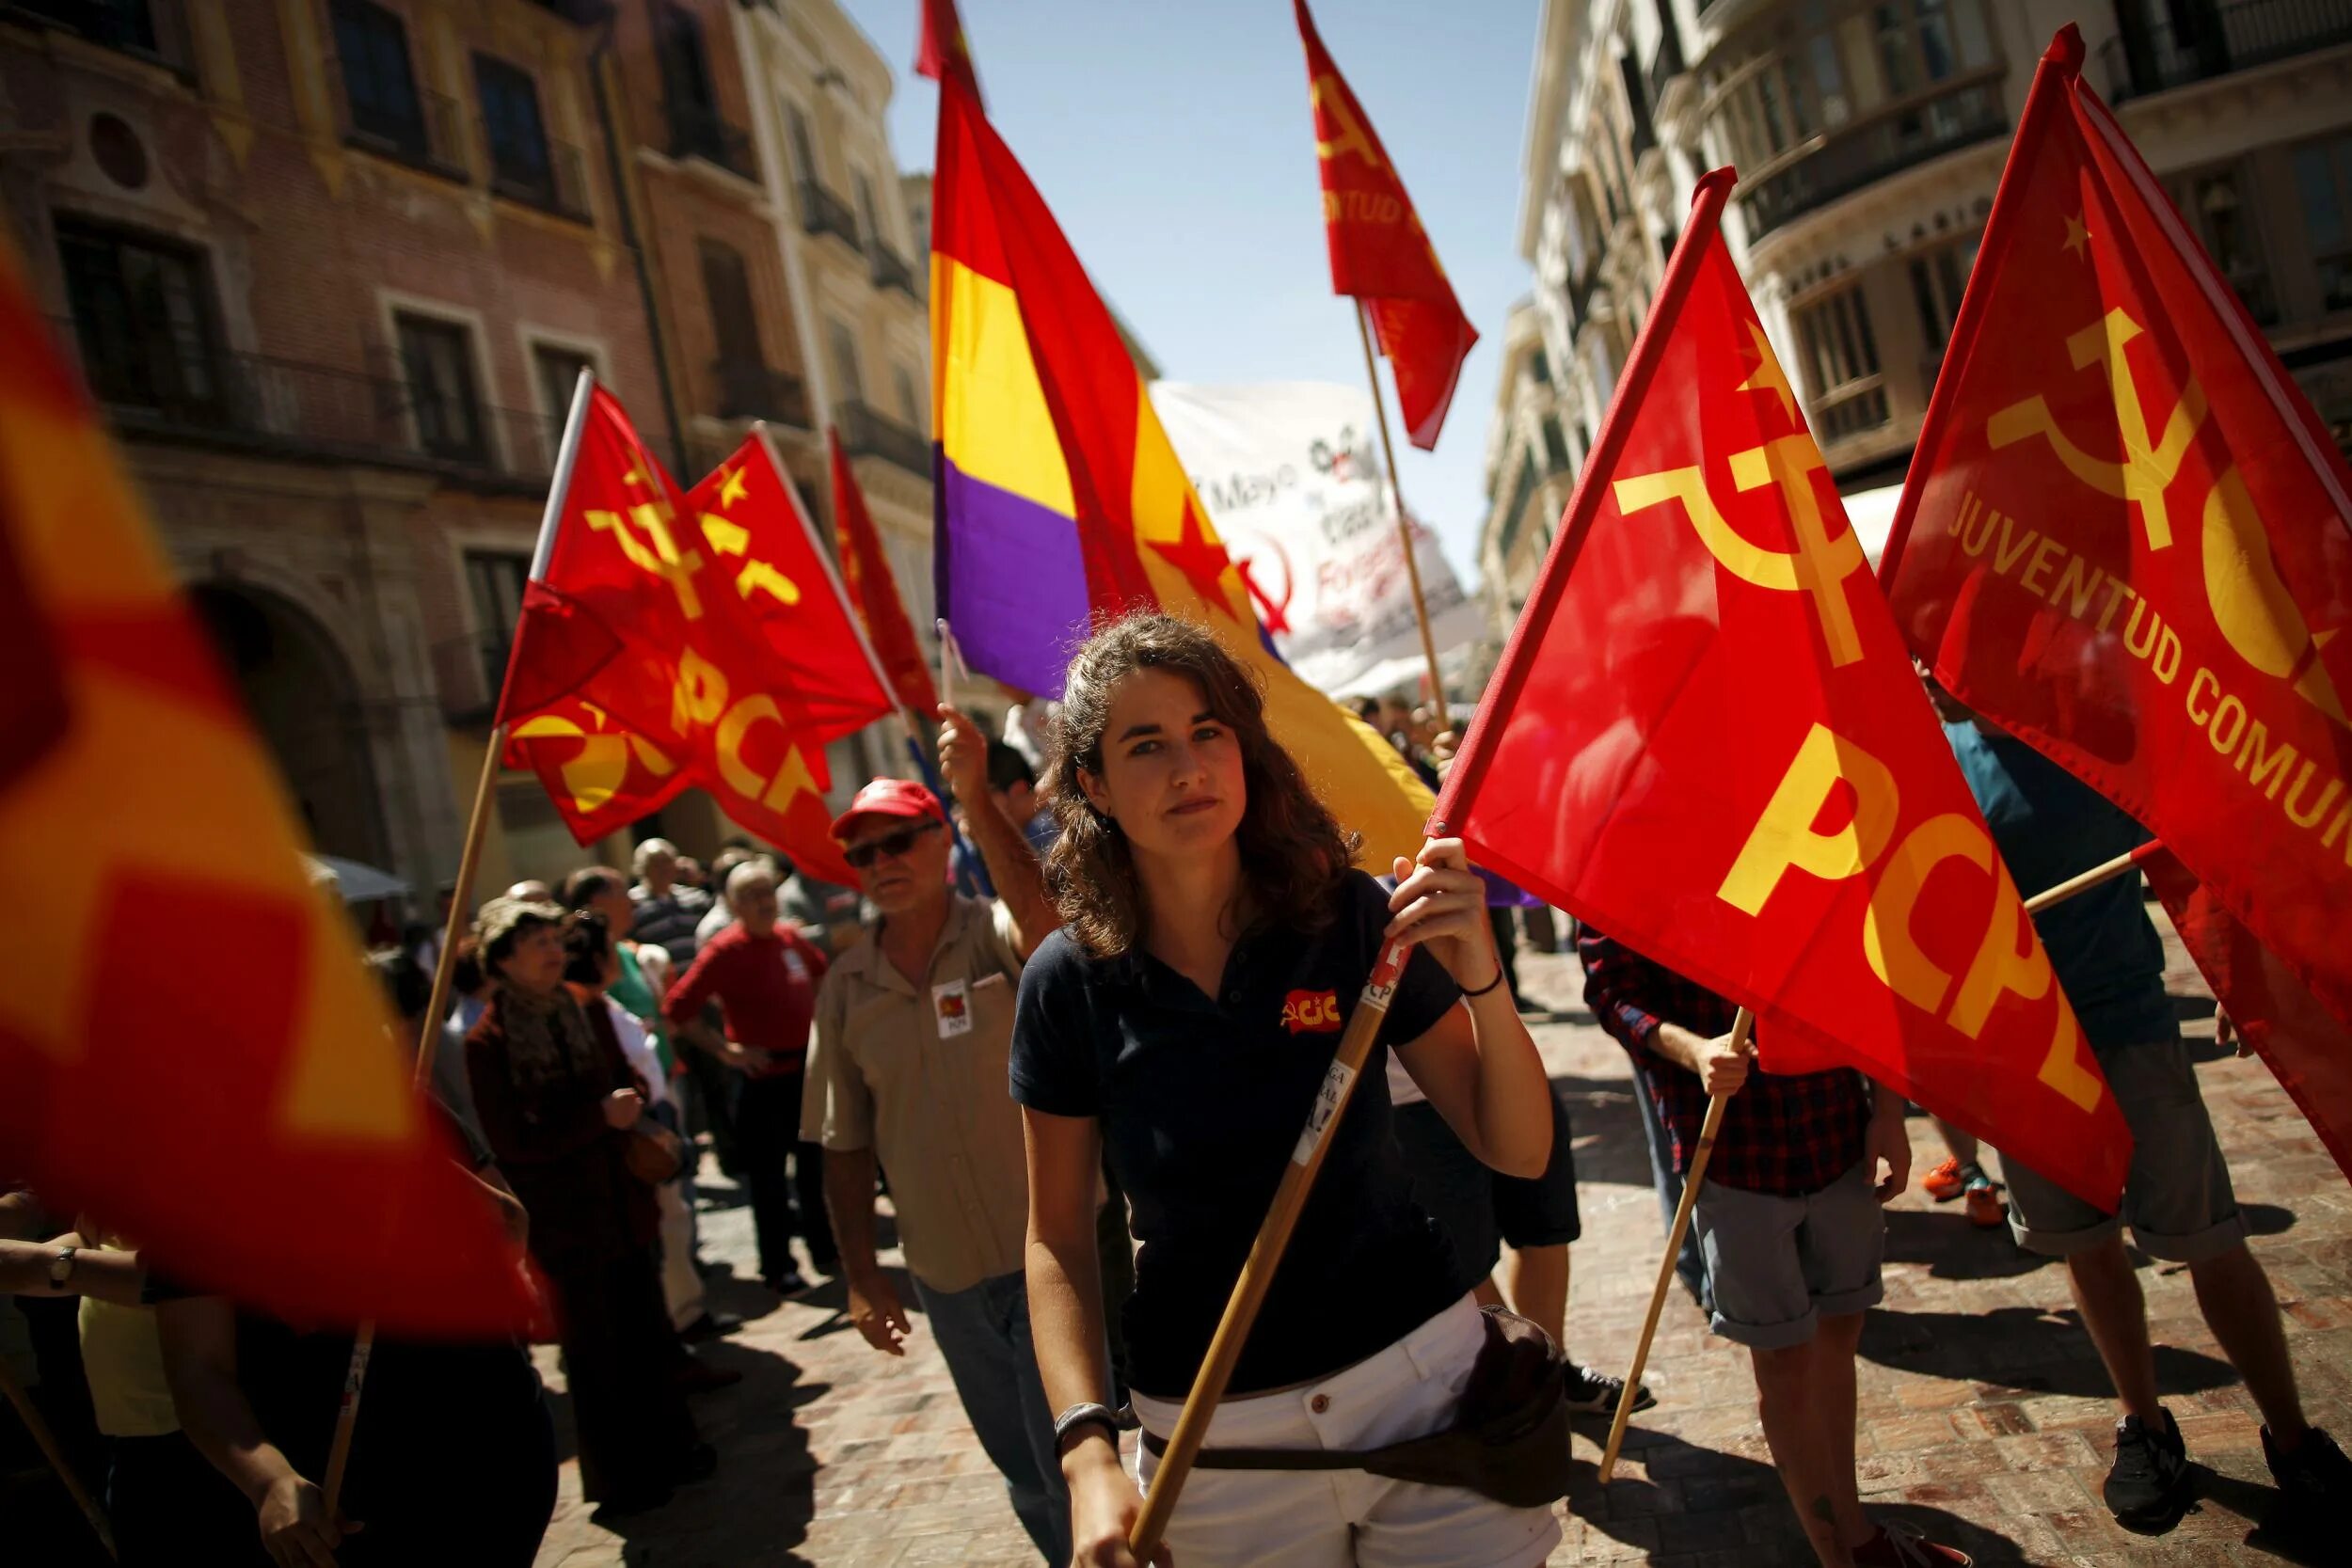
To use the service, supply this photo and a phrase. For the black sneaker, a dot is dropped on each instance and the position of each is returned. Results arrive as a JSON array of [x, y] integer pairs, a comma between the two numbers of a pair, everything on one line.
[[789, 1283], [1593, 1392], [2315, 1472], [2148, 1486]]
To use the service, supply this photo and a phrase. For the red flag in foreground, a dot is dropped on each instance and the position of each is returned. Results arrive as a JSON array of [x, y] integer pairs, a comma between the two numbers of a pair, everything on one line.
[[1379, 251], [2127, 541], [873, 590], [736, 659], [2306, 1046], [1706, 738], [252, 1124], [943, 55]]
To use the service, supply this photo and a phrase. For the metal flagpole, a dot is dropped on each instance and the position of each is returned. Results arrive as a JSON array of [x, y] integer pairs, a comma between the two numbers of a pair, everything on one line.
[[476, 822], [1404, 524]]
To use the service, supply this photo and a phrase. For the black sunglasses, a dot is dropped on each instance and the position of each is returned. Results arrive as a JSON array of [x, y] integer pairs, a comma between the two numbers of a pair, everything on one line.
[[890, 845]]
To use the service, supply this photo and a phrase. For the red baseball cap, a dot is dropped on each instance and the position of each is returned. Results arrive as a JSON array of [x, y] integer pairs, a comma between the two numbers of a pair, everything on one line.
[[890, 797]]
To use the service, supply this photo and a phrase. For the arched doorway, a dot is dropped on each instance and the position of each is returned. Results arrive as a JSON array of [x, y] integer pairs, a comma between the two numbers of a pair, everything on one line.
[[302, 699]]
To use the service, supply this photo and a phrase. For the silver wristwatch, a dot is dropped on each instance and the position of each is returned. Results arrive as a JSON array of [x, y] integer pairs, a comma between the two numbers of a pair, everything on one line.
[[1087, 1413], [61, 1267]]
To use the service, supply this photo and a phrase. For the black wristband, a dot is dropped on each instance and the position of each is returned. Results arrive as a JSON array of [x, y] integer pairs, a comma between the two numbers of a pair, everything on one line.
[[1487, 987]]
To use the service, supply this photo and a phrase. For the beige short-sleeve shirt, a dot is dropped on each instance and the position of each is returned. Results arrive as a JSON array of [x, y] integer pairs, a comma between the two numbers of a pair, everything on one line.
[[920, 1073]]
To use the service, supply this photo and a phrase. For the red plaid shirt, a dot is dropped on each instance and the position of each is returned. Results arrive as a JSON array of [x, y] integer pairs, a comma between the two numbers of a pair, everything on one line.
[[1789, 1134]]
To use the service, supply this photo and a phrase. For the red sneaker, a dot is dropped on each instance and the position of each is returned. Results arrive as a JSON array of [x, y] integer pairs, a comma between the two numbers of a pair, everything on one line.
[[1944, 1182], [1903, 1545], [1985, 1207]]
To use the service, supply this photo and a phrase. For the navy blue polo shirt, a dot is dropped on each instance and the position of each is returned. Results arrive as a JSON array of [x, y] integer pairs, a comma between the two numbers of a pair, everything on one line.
[[2048, 826], [1201, 1100]]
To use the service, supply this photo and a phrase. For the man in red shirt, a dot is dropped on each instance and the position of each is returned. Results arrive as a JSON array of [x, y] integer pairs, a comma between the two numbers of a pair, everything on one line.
[[764, 975]]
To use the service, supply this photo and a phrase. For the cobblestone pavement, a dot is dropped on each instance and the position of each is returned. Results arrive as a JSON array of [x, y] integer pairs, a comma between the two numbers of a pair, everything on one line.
[[1984, 1418]]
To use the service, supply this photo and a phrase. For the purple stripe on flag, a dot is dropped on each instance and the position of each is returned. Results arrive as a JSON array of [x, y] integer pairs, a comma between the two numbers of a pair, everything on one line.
[[1009, 580]]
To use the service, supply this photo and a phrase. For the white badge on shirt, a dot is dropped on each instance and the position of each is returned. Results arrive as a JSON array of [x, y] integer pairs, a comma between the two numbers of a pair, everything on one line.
[[951, 1005], [795, 965]]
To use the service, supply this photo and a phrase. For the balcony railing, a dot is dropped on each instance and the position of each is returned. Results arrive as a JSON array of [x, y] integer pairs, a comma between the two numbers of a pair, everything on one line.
[[823, 213], [867, 434], [700, 131], [2236, 35], [1851, 411], [1847, 160], [296, 408], [148, 30], [749, 389], [426, 131], [893, 270], [557, 184]]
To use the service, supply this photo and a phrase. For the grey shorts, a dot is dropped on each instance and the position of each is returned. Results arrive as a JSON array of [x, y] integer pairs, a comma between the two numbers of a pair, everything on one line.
[[1780, 1263], [2177, 1193]]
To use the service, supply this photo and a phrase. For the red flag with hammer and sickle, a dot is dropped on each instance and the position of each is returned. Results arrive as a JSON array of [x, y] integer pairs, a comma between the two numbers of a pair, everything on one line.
[[2127, 540], [1706, 737]]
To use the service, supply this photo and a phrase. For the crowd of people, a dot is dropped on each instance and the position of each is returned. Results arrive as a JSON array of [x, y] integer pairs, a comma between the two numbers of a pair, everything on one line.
[[1072, 1026]]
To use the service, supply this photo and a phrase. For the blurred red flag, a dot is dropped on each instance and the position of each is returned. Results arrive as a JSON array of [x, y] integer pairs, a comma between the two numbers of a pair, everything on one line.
[[1379, 251], [2304, 1045], [749, 514], [873, 590], [1706, 738], [253, 1123], [2127, 540], [943, 55]]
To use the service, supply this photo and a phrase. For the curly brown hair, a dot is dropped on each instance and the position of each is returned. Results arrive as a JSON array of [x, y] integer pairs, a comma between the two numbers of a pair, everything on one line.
[[1294, 853]]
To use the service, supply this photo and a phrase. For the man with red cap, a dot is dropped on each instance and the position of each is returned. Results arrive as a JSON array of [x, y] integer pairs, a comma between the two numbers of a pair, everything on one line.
[[764, 974], [910, 1063]]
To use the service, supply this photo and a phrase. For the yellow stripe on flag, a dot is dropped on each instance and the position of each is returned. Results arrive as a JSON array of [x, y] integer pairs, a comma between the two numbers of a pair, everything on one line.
[[995, 425]]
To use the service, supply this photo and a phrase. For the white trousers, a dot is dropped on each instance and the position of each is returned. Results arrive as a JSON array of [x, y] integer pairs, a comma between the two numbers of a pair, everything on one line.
[[1346, 1518], [681, 1285]]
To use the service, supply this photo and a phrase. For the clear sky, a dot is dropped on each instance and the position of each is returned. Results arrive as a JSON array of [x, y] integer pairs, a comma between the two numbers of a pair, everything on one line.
[[1174, 143]]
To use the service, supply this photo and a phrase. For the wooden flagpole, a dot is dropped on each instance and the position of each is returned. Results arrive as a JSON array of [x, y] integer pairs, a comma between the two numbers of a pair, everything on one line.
[[1741, 1027], [2105, 872], [1257, 1273], [47, 1443], [468, 859], [1404, 523]]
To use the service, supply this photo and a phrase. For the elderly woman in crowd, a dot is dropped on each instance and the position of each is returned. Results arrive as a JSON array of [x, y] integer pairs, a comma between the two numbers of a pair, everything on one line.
[[558, 1102]]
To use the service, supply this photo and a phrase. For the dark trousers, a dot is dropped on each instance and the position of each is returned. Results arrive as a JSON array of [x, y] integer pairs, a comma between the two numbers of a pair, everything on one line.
[[779, 1169], [712, 1087], [634, 1430], [169, 1506]]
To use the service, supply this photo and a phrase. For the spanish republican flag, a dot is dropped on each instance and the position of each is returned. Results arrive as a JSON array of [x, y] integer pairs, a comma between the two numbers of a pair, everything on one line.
[[2128, 541], [190, 1045], [1706, 738], [1059, 499], [1379, 251]]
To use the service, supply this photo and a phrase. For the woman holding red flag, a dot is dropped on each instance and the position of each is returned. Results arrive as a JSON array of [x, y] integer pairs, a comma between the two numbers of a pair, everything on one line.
[[1183, 1019]]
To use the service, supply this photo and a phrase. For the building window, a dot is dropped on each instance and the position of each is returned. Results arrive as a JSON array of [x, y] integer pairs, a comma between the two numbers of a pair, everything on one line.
[[1831, 73], [143, 315], [558, 371], [1555, 447], [2221, 213], [2323, 188], [804, 148], [1840, 356], [842, 343], [684, 63], [1937, 281], [869, 217], [727, 287], [909, 406], [519, 165], [494, 582], [437, 358], [378, 84]]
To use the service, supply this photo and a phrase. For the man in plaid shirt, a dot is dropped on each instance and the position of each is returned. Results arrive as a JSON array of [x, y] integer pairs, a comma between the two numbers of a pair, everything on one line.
[[1789, 1224]]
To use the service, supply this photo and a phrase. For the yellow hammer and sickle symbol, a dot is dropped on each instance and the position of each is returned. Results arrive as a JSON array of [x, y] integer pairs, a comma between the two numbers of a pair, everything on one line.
[[1327, 96], [603, 761], [1819, 566], [757, 577], [656, 553], [2149, 466], [2250, 606]]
